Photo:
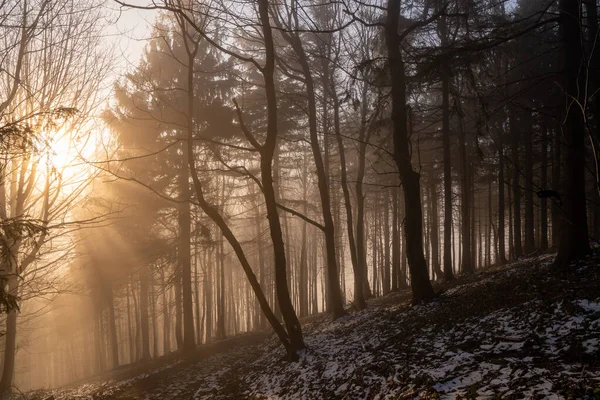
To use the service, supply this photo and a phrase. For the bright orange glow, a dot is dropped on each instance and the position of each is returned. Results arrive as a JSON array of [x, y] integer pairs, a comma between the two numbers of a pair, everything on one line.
[[68, 153]]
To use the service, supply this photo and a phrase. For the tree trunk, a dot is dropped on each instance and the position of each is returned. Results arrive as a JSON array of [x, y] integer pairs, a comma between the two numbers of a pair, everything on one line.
[[112, 326], [573, 241], [413, 226], [488, 240], [395, 242], [501, 208], [359, 298], [334, 293], [529, 215], [387, 271], [445, 78], [144, 325], [294, 331], [178, 306], [593, 73], [374, 259], [10, 341], [197, 298], [303, 281], [466, 261], [220, 333], [131, 342], [363, 139], [292, 339], [166, 315], [511, 247], [189, 343], [544, 185], [434, 233], [516, 184], [556, 167], [209, 283]]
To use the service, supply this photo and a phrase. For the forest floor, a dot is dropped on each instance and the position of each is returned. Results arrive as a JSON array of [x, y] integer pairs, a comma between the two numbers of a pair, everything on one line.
[[513, 332]]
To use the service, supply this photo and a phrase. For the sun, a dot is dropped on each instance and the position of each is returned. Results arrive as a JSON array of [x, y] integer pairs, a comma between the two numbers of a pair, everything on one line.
[[66, 151], [61, 151]]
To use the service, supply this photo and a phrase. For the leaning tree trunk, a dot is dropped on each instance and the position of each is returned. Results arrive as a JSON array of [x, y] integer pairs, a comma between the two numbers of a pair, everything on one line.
[[292, 339], [294, 331], [413, 226]]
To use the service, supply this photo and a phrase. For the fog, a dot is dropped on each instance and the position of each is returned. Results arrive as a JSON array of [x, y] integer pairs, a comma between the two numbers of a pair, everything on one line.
[[175, 173]]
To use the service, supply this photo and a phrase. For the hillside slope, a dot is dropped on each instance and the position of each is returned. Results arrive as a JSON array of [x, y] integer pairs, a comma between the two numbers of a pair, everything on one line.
[[514, 332]]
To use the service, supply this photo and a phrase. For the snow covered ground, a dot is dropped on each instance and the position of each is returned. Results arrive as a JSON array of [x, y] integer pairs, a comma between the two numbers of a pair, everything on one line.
[[516, 332]]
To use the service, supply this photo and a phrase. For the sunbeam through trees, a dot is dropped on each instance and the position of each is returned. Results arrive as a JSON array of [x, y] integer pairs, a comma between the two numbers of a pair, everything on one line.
[[303, 199]]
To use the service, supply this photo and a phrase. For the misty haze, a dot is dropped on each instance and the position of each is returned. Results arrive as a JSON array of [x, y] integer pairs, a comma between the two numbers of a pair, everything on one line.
[[299, 199]]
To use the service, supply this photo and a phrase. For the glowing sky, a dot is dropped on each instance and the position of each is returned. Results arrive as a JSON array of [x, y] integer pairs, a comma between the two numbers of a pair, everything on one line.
[[128, 33]]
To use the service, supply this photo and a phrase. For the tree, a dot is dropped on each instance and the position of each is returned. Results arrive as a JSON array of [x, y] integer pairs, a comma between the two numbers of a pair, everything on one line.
[[413, 227], [333, 284], [35, 183], [291, 337], [445, 77], [573, 241]]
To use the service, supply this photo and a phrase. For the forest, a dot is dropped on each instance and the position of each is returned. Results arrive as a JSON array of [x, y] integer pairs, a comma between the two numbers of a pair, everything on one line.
[[299, 199]]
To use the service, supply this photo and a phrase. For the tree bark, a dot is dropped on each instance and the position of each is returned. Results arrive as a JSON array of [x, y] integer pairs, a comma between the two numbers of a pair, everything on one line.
[[413, 226], [359, 298], [501, 207], [573, 241], [389, 276], [112, 326], [144, 325], [10, 341], [208, 294], [434, 233], [556, 167], [189, 342], [529, 214], [292, 339], [294, 331], [395, 242], [361, 254], [466, 261], [544, 185], [516, 184], [334, 293]]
